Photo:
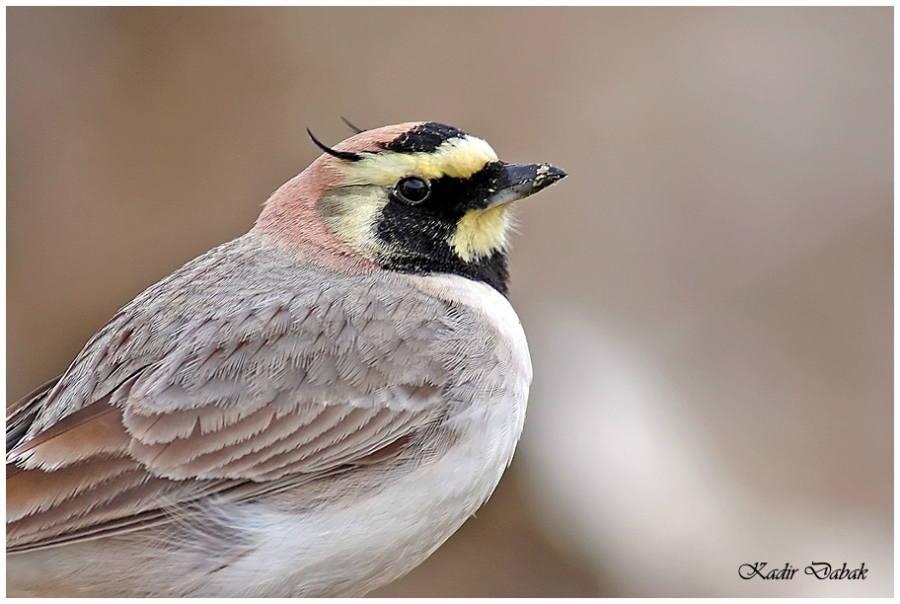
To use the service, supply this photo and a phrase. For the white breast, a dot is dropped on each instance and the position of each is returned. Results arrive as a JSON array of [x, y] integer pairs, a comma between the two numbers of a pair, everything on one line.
[[507, 328]]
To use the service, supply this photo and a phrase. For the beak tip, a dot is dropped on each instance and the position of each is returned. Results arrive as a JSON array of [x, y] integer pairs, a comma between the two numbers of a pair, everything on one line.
[[547, 175], [558, 172]]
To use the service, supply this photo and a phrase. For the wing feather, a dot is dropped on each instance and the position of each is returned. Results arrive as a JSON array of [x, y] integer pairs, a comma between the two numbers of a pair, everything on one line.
[[201, 385]]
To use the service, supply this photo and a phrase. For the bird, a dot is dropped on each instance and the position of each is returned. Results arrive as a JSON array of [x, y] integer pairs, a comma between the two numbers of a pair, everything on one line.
[[308, 410]]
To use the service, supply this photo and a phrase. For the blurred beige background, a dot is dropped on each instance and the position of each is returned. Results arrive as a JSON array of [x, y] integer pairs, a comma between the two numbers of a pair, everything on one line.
[[708, 296]]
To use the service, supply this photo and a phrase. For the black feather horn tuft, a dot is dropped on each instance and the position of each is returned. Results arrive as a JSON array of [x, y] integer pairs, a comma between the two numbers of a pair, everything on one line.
[[342, 155], [355, 129]]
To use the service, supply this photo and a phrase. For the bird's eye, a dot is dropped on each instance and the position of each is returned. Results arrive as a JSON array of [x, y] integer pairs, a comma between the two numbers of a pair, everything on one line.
[[412, 190]]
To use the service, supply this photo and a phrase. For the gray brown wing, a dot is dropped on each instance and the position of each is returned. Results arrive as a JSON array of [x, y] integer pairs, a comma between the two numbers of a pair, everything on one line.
[[20, 415], [222, 378]]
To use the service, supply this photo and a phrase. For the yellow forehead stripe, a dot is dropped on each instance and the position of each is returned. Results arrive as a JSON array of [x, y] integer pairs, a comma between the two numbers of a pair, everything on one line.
[[459, 157]]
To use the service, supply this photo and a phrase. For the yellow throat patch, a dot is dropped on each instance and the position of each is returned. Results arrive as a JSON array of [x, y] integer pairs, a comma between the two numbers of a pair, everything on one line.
[[480, 233]]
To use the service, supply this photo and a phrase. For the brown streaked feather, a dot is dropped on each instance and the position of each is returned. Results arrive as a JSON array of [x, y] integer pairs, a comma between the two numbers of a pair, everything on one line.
[[86, 507], [185, 450], [20, 414], [89, 432], [128, 500], [70, 500], [31, 491]]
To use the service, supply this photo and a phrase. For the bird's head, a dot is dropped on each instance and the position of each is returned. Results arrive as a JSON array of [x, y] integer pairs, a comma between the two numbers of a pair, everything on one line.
[[419, 197]]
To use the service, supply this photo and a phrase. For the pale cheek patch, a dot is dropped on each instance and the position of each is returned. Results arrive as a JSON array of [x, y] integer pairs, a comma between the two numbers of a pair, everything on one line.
[[352, 213], [457, 158], [480, 233]]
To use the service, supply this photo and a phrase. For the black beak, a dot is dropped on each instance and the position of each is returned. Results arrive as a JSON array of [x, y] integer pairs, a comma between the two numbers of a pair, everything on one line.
[[522, 180]]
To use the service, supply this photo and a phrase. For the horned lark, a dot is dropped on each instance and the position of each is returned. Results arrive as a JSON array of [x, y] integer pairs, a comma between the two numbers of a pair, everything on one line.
[[308, 410]]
